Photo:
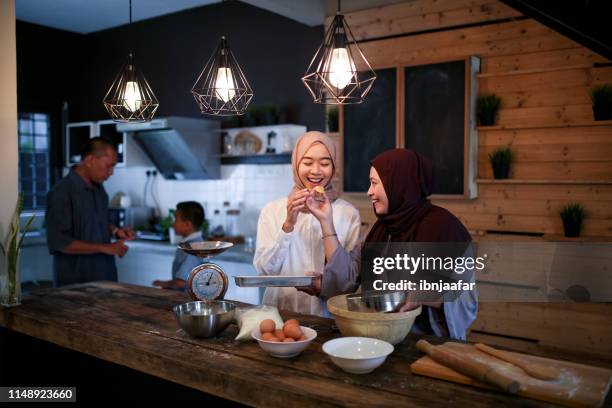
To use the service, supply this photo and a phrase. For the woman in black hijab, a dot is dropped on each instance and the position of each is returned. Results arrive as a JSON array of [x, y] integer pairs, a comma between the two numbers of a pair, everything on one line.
[[400, 182]]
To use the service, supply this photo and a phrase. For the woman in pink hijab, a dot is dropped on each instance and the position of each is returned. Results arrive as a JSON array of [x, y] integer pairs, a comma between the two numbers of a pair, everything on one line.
[[289, 237]]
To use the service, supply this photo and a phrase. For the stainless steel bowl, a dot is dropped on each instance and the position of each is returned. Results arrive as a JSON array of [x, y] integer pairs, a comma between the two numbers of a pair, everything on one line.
[[204, 249], [375, 301], [204, 318]]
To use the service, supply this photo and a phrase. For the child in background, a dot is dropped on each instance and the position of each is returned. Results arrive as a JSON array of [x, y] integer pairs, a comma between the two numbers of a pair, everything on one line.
[[187, 223]]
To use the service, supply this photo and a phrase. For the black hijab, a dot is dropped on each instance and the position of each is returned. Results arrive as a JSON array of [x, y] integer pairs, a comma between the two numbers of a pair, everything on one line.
[[408, 180]]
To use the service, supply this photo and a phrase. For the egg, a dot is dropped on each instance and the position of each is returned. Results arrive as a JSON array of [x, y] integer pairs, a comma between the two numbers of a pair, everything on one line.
[[288, 340], [302, 338], [291, 321], [279, 333], [267, 336], [293, 331], [267, 326], [274, 339]]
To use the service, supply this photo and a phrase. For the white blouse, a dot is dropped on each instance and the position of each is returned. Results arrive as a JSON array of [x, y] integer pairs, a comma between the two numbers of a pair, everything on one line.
[[300, 251]]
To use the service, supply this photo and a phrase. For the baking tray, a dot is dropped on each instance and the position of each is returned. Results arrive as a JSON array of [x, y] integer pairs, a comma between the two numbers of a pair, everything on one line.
[[274, 281]]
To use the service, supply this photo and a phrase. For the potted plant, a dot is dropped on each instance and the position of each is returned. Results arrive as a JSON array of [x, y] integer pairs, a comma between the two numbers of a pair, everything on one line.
[[501, 160], [10, 283], [487, 107], [572, 216], [167, 225], [332, 119], [601, 96]]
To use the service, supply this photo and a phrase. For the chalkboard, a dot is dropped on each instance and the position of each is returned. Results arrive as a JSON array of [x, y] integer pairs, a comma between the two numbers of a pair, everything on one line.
[[434, 125], [369, 129]]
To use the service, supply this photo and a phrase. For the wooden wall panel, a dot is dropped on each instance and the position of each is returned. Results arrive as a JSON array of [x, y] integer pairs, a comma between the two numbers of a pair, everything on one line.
[[424, 15], [516, 37], [546, 117], [585, 327], [542, 59]]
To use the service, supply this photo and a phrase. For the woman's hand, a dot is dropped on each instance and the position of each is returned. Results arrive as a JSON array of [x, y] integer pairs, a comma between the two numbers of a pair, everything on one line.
[[296, 203], [322, 210], [315, 289], [408, 306]]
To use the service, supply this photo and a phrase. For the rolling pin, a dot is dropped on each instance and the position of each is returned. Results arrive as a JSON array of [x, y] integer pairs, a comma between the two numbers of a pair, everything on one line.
[[535, 370], [468, 366]]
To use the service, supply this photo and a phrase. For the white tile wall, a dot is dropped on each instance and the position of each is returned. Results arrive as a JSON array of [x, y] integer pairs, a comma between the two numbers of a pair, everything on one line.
[[251, 185]]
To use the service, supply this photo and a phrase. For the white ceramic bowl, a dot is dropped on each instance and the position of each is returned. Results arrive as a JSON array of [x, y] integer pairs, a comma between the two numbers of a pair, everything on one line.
[[285, 350], [357, 355]]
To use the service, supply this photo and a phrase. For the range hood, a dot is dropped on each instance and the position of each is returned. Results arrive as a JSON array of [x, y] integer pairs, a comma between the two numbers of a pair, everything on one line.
[[181, 148]]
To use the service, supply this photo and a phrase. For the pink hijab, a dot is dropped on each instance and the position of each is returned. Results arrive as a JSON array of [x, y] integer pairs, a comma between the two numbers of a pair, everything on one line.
[[301, 147]]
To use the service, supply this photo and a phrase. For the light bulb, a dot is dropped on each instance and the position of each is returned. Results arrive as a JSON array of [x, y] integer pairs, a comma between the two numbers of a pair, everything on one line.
[[341, 68], [225, 87], [132, 98]]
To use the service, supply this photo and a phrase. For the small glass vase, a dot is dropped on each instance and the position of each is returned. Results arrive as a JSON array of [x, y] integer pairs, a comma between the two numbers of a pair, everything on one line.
[[10, 283]]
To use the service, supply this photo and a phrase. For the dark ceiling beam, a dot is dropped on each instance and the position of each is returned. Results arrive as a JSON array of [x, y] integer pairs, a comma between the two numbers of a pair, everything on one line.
[[584, 21]]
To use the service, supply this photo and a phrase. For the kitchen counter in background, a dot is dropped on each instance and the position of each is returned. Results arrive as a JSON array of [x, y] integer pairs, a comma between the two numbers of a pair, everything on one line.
[[145, 262], [234, 254]]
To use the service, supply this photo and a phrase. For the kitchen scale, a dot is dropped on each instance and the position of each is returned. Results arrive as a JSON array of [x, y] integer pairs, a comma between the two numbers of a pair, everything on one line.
[[207, 281]]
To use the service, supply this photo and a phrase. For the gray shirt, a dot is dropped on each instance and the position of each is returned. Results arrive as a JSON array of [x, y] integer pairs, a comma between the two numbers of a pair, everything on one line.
[[183, 262], [77, 211]]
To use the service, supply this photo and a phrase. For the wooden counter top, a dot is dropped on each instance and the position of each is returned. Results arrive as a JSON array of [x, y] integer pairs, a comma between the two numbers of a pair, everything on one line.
[[134, 326]]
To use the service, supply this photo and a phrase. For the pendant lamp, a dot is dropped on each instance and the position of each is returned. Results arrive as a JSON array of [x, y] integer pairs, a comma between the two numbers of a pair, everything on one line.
[[130, 98], [339, 73], [222, 89]]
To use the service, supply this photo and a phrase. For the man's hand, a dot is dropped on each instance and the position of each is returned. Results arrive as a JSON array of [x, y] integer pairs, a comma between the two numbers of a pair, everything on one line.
[[126, 234], [116, 248], [315, 289]]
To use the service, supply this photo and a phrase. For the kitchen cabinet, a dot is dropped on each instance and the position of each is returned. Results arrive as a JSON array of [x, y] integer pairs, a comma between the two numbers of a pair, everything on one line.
[[108, 130], [35, 261], [78, 133]]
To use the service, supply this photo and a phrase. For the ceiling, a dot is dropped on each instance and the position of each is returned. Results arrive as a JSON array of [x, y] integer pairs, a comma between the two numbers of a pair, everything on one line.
[[88, 16]]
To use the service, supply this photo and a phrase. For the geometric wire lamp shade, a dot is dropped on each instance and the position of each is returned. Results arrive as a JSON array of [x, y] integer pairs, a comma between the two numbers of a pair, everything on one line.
[[339, 74], [130, 98], [222, 89]]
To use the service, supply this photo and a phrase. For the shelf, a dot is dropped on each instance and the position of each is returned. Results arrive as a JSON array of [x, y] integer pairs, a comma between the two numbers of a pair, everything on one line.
[[533, 71], [552, 125], [523, 181], [563, 238], [266, 158], [495, 236]]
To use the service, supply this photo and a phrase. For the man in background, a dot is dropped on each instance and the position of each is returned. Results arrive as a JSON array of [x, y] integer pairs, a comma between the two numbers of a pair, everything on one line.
[[78, 229]]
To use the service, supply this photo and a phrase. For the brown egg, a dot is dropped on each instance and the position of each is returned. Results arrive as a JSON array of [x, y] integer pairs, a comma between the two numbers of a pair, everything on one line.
[[293, 331], [267, 336], [274, 339], [288, 340], [279, 333], [291, 321], [267, 326], [303, 338]]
